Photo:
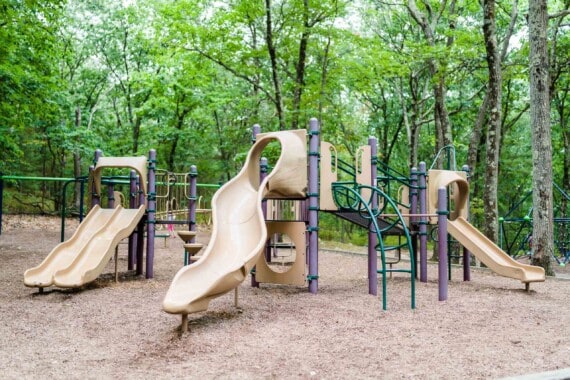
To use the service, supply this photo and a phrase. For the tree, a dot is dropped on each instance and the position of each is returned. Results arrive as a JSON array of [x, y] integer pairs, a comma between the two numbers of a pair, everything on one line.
[[542, 199], [494, 101], [428, 21]]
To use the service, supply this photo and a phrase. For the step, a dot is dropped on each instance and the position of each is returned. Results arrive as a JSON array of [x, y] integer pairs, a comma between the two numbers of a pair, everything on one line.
[[193, 248], [186, 236]]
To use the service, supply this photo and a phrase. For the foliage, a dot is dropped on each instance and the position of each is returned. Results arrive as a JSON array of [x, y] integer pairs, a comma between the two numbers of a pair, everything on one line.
[[190, 77]]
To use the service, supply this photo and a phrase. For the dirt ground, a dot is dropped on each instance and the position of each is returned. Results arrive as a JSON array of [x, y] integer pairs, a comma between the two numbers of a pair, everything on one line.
[[489, 327]]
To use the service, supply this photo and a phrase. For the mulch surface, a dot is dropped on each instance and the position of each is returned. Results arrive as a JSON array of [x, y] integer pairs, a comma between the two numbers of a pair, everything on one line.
[[488, 328]]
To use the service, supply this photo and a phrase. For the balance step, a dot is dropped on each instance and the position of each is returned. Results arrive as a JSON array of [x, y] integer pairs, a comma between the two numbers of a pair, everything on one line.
[[193, 248], [186, 236]]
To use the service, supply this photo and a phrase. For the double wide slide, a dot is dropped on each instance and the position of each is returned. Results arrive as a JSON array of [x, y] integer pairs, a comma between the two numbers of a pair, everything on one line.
[[82, 258]]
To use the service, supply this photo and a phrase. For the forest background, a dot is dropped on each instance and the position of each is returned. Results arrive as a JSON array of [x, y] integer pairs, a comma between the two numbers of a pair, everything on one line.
[[190, 77]]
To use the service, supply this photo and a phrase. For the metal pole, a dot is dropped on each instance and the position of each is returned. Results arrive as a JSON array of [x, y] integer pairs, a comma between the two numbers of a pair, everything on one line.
[[313, 205], [81, 198], [192, 208], [413, 221], [413, 195], [95, 198], [193, 200], [63, 208], [132, 204], [372, 233], [140, 233], [111, 195], [151, 210], [423, 221], [442, 213], [466, 253]]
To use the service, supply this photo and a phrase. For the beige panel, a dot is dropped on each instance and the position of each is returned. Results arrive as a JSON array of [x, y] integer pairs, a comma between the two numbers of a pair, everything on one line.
[[292, 180], [139, 164], [297, 273], [328, 173], [459, 192], [363, 162]]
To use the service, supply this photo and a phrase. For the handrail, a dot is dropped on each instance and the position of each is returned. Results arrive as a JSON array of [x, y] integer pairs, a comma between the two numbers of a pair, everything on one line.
[[351, 193], [451, 154]]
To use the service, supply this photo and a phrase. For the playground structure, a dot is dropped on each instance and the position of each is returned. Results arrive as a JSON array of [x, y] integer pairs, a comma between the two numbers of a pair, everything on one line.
[[242, 230], [82, 258]]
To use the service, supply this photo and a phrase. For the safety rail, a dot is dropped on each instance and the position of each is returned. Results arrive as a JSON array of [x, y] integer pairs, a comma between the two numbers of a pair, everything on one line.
[[350, 196]]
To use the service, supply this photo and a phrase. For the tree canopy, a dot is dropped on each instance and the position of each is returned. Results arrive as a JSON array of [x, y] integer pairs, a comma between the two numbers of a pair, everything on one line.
[[190, 77]]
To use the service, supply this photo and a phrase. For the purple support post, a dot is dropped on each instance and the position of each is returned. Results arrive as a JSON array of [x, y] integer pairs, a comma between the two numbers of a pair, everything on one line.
[[413, 196], [151, 213], [111, 195], [372, 234], [466, 253], [193, 200], [132, 204], [442, 214], [140, 228], [192, 203], [95, 198], [422, 195], [313, 194], [81, 200]]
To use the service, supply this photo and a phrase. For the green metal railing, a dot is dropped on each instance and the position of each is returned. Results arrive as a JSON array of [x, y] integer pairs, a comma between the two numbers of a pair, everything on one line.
[[349, 197]]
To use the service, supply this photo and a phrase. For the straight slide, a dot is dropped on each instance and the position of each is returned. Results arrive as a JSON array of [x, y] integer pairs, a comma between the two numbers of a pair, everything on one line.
[[82, 258], [491, 255], [239, 232]]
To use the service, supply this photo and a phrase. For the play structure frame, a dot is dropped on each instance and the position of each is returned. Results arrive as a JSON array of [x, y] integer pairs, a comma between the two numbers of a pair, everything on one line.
[[310, 177]]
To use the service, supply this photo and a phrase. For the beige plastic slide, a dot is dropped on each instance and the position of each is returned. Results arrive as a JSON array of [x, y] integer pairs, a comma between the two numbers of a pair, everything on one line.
[[239, 233], [82, 258], [477, 243], [490, 254]]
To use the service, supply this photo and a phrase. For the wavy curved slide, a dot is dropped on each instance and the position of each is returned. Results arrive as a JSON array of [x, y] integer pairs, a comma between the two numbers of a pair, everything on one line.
[[472, 239], [239, 233], [82, 258]]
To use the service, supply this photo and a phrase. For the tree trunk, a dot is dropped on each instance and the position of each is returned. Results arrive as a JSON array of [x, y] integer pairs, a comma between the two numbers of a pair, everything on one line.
[[543, 236], [77, 162], [490, 204], [300, 67], [442, 123], [274, 71]]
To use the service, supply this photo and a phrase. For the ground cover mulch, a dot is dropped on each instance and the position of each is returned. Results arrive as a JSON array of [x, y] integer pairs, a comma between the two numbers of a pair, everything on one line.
[[488, 328]]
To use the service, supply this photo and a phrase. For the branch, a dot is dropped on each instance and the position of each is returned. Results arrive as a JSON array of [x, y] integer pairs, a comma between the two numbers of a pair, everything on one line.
[[233, 71], [563, 13]]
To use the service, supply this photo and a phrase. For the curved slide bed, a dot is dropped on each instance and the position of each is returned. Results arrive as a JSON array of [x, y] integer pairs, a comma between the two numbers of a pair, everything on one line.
[[239, 233], [471, 238], [82, 258], [490, 254]]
